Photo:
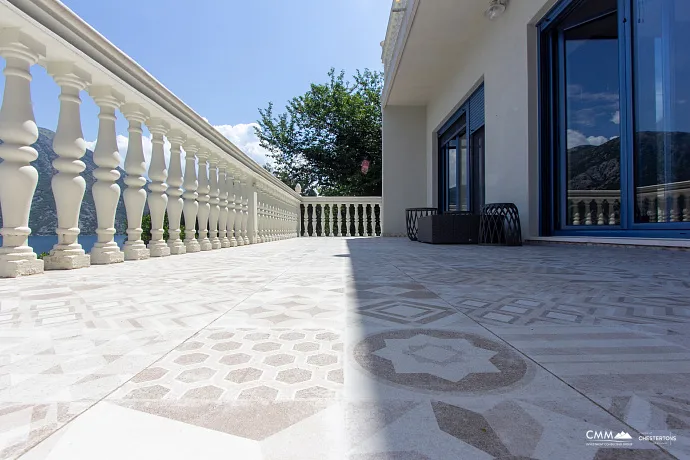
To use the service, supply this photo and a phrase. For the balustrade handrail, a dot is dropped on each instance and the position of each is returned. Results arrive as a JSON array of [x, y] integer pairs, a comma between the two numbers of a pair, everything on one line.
[[342, 199], [680, 186], [64, 25]]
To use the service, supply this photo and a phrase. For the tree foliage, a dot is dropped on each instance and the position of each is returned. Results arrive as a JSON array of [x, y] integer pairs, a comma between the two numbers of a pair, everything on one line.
[[325, 137]]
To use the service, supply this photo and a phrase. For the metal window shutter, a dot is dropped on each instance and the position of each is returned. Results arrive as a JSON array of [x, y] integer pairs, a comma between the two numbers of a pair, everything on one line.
[[477, 109]]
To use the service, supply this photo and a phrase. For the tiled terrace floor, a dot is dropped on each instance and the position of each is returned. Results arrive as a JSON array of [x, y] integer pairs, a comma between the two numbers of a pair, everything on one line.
[[358, 349]]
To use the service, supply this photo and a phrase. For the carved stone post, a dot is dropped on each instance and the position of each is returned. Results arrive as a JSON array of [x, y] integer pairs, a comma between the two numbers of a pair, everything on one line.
[[191, 206], [18, 178], [175, 201], [68, 184], [106, 191], [158, 199]]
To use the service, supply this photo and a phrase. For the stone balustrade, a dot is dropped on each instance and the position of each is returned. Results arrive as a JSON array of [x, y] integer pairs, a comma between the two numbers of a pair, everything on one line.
[[234, 200], [341, 216], [660, 203]]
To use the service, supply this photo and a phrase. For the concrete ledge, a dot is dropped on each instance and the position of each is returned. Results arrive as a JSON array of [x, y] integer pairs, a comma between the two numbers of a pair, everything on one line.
[[659, 243]]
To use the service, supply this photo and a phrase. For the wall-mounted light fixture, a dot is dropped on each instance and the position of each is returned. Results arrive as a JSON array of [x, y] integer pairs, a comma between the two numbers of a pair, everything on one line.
[[496, 8], [398, 6]]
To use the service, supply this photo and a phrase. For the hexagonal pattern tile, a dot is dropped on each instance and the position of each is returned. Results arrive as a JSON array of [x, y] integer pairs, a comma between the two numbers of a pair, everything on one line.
[[292, 336], [196, 375], [152, 373], [221, 335], [279, 360], [209, 392], [293, 375], [266, 346], [262, 392], [192, 358], [322, 359], [236, 358], [261, 364], [226, 346], [306, 347], [315, 393]]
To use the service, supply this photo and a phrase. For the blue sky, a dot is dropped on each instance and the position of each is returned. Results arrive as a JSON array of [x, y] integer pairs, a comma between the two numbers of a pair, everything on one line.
[[227, 58]]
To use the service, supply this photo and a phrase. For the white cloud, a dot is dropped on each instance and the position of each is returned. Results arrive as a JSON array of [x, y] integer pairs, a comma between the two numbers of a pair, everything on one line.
[[616, 117], [147, 146], [576, 138], [244, 137]]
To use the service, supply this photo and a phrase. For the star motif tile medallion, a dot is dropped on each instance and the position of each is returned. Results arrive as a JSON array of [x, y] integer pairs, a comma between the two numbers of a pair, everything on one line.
[[440, 360]]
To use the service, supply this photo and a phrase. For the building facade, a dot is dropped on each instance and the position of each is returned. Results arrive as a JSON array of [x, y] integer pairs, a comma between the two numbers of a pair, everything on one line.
[[577, 111]]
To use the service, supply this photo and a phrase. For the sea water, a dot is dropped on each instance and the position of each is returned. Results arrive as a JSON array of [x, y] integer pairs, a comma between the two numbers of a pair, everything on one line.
[[45, 243]]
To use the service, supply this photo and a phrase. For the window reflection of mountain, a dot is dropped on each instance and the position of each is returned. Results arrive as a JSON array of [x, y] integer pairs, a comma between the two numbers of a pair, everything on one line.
[[597, 167]]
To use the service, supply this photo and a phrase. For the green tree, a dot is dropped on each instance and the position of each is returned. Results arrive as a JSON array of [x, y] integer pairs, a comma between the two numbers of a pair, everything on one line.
[[326, 136]]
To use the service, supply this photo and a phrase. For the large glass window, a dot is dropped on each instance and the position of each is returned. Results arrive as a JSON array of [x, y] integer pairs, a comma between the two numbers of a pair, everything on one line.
[[592, 106], [461, 151], [616, 116], [452, 148], [662, 109]]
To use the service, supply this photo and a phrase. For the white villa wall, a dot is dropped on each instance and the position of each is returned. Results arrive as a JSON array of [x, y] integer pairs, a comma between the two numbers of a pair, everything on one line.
[[503, 56], [404, 167]]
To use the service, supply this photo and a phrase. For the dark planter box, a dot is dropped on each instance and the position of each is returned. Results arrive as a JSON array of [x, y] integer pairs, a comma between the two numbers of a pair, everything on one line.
[[451, 228]]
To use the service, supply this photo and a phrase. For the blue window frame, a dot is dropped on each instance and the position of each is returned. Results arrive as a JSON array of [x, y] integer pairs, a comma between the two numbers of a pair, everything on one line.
[[615, 118], [461, 157]]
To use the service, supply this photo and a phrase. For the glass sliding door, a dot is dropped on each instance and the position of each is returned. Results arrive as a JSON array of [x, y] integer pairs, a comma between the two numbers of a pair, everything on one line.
[[662, 112], [452, 168], [461, 157], [615, 117], [477, 167], [463, 187], [592, 104]]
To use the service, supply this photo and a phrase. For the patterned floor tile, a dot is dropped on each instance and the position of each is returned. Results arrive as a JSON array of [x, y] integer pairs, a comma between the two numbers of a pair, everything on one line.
[[349, 348], [239, 364]]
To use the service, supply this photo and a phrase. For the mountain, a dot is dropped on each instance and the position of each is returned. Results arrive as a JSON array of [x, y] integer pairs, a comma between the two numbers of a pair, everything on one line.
[[597, 167], [43, 217]]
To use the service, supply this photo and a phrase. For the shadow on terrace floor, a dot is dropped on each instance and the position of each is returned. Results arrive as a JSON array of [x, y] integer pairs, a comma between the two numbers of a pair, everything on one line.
[[464, 352]]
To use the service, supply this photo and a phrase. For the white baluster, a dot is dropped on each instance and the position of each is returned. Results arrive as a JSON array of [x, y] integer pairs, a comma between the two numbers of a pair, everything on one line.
[[18, 131], [235, 216], [106, 191], [599, 206], [245, 209], [175, 201], [660, 208], [263, 218], [214, 202], [322, 220], [348, 218], [204, 198], [135, 194], [310, 214], [232, 213], [158, 199], [686, 207], [675, 207], [223, 195], [191, 205], [576, 212], [588, 213], [68, 184], [612, 212]]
